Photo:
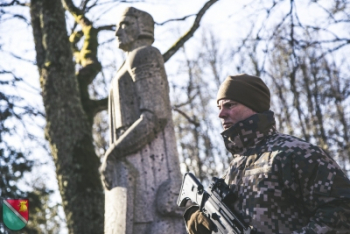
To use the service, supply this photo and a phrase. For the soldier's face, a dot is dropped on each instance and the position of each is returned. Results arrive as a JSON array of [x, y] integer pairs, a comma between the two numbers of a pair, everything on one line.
[[231, 112], [127, 32]]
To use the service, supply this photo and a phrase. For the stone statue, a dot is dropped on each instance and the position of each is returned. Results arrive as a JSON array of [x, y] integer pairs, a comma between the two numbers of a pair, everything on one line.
[[141, 167]]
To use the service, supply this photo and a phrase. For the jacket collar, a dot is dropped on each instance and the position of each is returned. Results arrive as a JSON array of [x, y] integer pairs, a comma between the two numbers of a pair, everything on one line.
[[249, 132]]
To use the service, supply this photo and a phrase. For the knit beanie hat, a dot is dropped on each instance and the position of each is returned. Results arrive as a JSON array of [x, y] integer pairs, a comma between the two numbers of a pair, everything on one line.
[[248, 90]]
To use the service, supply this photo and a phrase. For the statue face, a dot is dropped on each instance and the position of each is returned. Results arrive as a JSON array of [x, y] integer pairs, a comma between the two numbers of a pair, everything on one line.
[[127, 31]]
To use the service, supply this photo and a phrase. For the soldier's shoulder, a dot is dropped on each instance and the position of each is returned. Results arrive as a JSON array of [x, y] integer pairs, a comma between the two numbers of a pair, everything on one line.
[[284, 140], [307, 159], [291, 150], [291, 145]]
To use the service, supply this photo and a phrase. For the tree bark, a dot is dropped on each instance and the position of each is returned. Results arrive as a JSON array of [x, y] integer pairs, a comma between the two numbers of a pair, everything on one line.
[[68, 129]]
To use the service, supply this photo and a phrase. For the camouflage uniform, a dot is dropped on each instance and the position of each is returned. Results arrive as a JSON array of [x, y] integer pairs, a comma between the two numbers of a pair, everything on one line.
[[284, 184]]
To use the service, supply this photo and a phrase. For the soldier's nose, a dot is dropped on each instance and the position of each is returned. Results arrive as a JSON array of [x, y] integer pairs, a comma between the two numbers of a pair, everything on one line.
[[222, 113]]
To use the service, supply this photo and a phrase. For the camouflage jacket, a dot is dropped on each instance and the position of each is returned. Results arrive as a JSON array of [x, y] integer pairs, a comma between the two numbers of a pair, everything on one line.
[[284, 184]]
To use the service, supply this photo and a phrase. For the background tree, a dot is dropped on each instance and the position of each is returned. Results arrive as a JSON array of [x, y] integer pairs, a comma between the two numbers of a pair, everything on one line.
[[15, 162], [196, 124], [304, 62]]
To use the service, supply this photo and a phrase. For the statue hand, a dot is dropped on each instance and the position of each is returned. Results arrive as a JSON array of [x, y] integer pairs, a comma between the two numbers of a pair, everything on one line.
[[167, 195], [107, 167]]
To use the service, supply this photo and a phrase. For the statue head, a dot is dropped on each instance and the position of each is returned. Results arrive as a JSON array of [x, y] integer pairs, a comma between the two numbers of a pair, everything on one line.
[[133, 25]]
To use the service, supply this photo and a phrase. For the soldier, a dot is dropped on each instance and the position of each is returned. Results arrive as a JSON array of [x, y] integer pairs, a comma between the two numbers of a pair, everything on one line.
[[283, 184], [141, 171]]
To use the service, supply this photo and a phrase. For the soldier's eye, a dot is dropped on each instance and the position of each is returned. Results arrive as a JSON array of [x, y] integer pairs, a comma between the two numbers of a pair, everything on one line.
[[229, 105]]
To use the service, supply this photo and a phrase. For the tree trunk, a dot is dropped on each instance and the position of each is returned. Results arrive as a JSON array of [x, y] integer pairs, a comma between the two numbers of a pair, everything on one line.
[[68, 129]]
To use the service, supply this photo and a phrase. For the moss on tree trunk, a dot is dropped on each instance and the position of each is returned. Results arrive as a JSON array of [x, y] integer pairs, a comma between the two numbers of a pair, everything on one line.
[[68, 128]]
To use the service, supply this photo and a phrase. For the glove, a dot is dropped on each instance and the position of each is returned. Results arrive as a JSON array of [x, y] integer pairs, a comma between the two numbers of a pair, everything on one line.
[[197, 222]]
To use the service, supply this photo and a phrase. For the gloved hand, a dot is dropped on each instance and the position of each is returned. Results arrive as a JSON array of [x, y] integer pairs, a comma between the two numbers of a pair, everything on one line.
[[197, 222]]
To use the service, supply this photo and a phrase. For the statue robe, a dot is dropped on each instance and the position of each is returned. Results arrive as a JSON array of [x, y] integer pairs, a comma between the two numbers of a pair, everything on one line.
[[146, 182]]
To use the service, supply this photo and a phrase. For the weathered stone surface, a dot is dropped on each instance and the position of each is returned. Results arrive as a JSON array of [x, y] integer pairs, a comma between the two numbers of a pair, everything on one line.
[[141, 170]]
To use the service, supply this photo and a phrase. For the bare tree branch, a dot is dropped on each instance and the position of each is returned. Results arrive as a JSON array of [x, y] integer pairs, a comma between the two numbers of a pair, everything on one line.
[[106, 27], [19, 57], [178, 19], [17, 16], [333, 49], [117, 2], [99, 105], [192, 121], [167, 55], [77, 13], [83, 5], [187, 102], [109, 8], [14, 3], [86, 56], [88, 8]]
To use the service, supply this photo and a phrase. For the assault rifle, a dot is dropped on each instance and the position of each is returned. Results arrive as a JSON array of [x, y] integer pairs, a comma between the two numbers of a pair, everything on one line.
[[213, 204]]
